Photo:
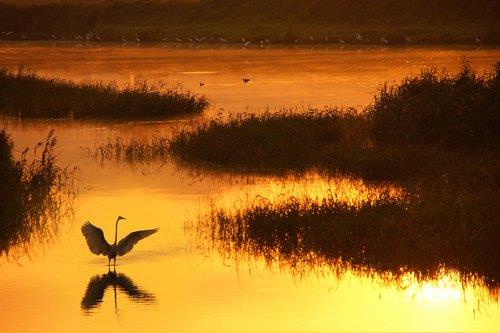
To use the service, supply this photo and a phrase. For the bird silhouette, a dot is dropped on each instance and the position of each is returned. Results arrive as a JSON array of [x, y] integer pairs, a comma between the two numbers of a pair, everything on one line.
[[202, 84], [99, 246], [99, 283], [246, 80]]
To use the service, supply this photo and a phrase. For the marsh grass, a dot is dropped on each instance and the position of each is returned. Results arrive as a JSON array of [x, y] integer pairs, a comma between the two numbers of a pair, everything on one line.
[[34, 194], [424, 233], [24, 94], [142, 149], [439, 109], [447, 220], [430, 125], [280, 21]]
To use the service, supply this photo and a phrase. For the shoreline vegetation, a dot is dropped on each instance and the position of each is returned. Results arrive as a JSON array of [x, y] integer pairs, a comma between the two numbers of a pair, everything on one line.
[[424, 233], [427, 124], [24, 94], [34, 194], [435, 134], [251, 22]]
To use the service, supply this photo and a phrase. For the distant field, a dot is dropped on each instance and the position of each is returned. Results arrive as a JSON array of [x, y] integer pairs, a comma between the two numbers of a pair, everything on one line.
[[254, 21]]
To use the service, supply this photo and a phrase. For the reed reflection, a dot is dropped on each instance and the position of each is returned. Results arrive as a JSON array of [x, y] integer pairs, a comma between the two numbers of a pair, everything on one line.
[[98, 284]]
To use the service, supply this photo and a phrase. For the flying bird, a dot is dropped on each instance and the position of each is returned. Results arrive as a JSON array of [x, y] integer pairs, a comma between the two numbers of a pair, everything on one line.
[[99, 246], [246, 80], [202, 84]]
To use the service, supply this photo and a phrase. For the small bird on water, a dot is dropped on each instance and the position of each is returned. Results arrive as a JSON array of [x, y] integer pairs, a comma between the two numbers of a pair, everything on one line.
[[99, 246]]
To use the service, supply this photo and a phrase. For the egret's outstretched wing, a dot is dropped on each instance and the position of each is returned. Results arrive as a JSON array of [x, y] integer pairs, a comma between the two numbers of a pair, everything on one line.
[[126, 244], [95, 239]]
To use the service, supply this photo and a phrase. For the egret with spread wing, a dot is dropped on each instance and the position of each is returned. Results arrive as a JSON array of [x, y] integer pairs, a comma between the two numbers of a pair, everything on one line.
[[98, 244]]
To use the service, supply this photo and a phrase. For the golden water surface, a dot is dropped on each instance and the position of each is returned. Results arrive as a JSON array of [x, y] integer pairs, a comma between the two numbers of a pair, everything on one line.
[[168, 283]]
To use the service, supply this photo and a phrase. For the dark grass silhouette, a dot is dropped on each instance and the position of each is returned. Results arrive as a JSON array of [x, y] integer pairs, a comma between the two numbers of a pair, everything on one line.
[[452, 111], [27, 95], [280, 21], [33, 194], [423, 232], [427, 124]]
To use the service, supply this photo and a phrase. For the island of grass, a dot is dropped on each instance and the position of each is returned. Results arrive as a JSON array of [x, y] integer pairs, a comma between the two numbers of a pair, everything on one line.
[[33, 194], [254, 21], [426, 124], [424, 232], [27, 95]]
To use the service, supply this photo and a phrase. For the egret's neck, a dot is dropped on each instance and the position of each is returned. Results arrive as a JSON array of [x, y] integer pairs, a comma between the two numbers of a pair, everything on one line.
[[116, 231]]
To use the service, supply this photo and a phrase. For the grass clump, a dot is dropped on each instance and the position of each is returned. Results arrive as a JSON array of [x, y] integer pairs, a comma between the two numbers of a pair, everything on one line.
[[426, 126], [421, 233], [132, 150], [33, 194], [27, 95], [282, 140], [453, 111]]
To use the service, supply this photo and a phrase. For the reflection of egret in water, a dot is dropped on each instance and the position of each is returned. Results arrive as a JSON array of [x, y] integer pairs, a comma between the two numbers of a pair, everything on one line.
[[99, 283]]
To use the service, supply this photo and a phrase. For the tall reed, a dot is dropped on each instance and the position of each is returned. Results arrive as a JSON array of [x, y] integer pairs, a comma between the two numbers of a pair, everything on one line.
[[34, 195]]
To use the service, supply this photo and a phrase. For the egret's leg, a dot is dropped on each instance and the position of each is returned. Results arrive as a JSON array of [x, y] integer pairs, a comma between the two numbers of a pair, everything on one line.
[[114, 261], [109, 262]]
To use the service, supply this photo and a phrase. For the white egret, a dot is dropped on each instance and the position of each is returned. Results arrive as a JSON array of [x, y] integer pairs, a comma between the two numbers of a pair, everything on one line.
[[384, 40], [99, 246]]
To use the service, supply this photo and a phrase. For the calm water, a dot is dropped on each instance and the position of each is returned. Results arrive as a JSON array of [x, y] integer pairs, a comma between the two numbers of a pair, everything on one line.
[[167, 283]]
